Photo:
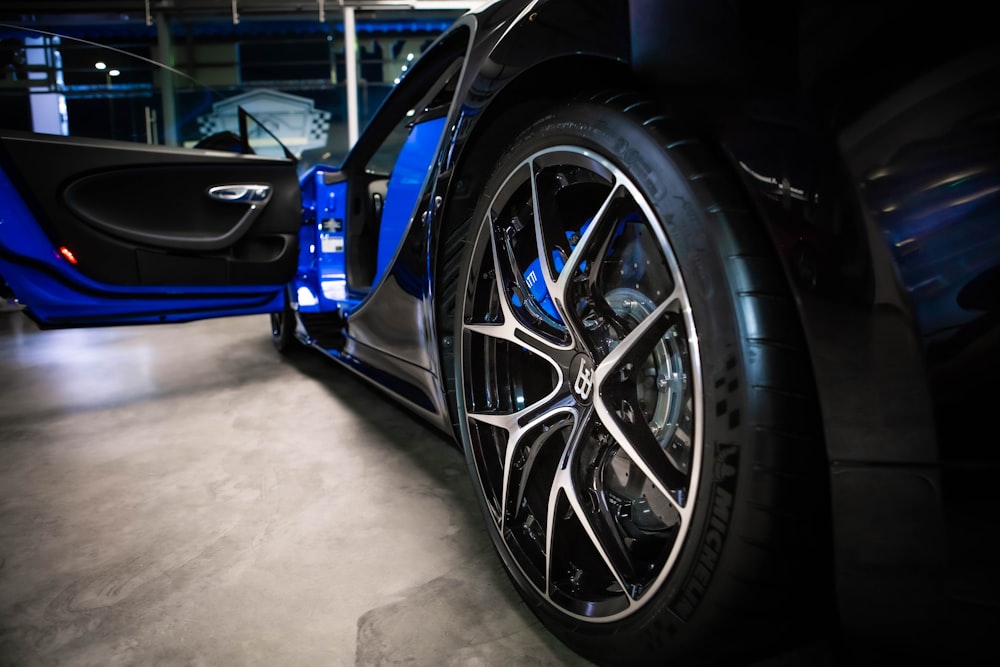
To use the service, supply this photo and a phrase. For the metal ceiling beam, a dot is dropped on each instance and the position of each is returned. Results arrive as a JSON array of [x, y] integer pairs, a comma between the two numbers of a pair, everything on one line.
[[149, 8]]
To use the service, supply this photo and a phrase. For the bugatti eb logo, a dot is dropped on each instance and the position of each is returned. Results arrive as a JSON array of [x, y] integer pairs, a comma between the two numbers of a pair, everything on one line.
[[582, 372]]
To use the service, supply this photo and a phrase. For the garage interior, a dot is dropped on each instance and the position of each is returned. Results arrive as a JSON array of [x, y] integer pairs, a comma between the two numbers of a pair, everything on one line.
[[185, 495]]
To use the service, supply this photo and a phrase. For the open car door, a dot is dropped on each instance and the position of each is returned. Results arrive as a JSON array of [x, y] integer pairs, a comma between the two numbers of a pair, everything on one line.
[[98, 232]]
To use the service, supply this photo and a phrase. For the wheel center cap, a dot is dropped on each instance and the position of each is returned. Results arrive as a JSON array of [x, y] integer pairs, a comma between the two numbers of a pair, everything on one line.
[[581, 378]]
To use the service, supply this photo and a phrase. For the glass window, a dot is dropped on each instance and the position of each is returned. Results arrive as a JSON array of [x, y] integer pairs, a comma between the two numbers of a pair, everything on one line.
[[181, 79]]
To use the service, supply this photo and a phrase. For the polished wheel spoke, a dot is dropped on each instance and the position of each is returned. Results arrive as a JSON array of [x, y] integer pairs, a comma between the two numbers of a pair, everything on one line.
[[574, 289], [510, 332], [589, 504], [522, 451], [618, 405]]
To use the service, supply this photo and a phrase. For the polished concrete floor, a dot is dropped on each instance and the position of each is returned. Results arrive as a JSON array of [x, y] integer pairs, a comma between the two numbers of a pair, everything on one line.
[[183, 495]]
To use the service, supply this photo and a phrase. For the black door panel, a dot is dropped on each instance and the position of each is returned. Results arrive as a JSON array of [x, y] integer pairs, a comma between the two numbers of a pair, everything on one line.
[[145, 215]]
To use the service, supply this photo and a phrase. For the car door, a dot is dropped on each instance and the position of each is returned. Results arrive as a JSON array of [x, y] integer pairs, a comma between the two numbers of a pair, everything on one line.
[[100, 232]]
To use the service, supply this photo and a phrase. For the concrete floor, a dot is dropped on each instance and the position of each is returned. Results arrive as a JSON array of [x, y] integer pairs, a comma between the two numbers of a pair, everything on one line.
[[183, 495]]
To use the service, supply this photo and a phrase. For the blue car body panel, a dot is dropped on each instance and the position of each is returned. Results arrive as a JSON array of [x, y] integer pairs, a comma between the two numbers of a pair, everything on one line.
[[321, 282], [409, 175]]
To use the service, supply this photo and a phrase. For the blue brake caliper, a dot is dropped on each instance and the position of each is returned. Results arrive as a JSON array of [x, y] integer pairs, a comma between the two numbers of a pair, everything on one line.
[[533, 274], [537, 287]]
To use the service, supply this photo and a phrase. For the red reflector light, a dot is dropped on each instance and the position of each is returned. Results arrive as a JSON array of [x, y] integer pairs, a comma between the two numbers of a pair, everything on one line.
[[68, 254]]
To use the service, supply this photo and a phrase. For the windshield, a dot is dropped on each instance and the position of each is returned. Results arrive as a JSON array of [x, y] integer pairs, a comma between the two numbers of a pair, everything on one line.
[[182, 80]]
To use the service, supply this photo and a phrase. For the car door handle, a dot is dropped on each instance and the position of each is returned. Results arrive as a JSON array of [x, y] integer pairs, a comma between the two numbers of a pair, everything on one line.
[[248, 193]]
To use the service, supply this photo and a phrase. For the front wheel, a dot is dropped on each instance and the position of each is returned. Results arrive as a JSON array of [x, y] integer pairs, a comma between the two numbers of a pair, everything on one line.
[[634, 396], [283, 328]]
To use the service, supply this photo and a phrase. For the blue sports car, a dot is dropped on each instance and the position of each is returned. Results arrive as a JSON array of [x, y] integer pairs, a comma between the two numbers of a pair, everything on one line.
[[707, 292]]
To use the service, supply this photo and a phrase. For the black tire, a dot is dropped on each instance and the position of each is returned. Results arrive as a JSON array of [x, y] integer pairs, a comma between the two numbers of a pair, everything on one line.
[[283, 325], [636, 408]]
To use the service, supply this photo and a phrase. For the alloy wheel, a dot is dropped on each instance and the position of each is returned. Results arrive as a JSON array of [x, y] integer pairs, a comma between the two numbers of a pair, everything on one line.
[[580, 384]]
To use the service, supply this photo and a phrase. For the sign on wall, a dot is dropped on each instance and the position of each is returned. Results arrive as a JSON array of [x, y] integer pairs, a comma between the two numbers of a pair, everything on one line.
[[294, 120]]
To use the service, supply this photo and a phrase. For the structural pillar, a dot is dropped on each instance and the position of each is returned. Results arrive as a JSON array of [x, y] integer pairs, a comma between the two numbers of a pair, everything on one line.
[[351, 65], [165, 47]]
